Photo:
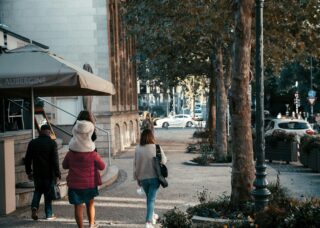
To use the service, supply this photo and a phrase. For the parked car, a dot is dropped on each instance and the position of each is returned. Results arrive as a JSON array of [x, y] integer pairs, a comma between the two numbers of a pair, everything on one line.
[[198, 114], [296, 126], [180, 120]]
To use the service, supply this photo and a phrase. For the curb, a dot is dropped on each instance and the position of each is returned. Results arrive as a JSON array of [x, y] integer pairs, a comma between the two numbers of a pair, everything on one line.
[[211, 164], [111, 176]]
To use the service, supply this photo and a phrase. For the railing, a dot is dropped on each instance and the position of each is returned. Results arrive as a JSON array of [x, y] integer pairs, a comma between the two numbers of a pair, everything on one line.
[[69, 113], [28, 110]]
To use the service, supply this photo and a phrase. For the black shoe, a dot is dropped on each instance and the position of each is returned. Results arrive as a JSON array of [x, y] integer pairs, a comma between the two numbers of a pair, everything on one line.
[[34, 213]]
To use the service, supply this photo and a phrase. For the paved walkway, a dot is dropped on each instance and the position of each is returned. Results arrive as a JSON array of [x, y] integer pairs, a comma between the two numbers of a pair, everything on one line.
[[120, 206]]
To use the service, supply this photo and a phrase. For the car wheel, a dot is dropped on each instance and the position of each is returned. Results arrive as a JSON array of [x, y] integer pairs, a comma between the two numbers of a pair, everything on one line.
[[165, 125], [189, 124]]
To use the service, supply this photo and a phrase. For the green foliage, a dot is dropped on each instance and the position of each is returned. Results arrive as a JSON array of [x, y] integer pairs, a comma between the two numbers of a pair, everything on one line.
[[192, 148], [292, 31], [279, 194], [175, 218], [280, 136], [159, 110], [281, 212], [273, 216], [201, 134], [284, 211], [308, 143], [281, 88], [220, 208], [305, 215], [177, 38], [206, 154], [203, 196]]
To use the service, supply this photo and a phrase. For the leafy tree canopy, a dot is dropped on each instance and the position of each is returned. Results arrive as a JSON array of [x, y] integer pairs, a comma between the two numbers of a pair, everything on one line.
[[178, 38]]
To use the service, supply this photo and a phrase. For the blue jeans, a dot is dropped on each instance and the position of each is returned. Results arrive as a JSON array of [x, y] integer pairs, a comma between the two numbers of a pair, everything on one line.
[[43, 186], [150, 187]]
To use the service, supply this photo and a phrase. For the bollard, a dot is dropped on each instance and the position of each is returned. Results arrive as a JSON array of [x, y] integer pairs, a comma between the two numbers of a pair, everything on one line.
[[7, 177]]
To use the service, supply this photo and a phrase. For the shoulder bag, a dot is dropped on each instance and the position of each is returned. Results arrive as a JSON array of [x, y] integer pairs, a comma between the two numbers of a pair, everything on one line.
[[158, 169], [163, 168], [55, 192]]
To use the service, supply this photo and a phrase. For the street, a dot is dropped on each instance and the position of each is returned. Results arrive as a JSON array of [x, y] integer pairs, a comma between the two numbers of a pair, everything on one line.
[[120, 206]]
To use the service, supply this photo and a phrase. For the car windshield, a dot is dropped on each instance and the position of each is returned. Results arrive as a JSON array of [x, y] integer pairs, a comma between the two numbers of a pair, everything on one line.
[[293, 125]]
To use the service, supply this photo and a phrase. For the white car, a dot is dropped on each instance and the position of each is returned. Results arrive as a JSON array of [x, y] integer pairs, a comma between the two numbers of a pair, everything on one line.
[[180, 120], [198, 114], [296, 126]]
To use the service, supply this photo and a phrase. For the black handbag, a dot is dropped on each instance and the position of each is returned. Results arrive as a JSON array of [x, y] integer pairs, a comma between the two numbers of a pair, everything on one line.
[[55, 192], [163, 168], [159, 169]]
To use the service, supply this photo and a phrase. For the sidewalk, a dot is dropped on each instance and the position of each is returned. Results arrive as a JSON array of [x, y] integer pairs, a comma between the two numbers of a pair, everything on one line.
[[21, 217], [119, 205]]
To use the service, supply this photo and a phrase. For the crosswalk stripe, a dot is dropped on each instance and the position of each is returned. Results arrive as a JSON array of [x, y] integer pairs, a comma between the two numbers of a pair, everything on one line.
[[99, 221], [120, 205], [121, 199]]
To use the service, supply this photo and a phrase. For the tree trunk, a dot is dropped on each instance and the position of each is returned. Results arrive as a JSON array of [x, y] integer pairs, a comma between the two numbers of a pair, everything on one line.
[[221, 140], [242, 165], [211, 123]]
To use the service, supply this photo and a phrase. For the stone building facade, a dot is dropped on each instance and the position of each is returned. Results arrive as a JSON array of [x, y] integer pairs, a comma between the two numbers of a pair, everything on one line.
[[85, 31]]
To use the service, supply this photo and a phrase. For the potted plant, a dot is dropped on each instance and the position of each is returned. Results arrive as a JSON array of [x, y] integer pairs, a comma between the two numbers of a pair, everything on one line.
[[281, 146], [310, 152]]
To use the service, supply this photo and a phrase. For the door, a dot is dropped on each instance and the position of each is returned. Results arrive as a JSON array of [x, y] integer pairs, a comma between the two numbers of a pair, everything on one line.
[[70, 105]]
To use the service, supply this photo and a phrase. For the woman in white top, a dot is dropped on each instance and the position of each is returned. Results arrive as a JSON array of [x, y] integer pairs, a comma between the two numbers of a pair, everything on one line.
[[144, 172]]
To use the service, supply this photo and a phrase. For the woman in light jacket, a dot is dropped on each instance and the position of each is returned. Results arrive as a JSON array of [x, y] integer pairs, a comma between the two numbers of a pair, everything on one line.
[[83, 163], [144, 172]]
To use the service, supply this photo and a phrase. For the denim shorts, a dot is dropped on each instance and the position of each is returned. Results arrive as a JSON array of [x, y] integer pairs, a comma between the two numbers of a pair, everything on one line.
[[80, 196]]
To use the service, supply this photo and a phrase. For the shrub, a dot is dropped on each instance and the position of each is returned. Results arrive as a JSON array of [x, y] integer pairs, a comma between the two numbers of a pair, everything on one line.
[[219, 208], [201, 134], [279, 194], [223, 159], [305, 215], [280, 135], [206, 155], [282, 212], [192, 148], [272, 216], [307, 143], [159, 110], [203, 196], [175, 218]]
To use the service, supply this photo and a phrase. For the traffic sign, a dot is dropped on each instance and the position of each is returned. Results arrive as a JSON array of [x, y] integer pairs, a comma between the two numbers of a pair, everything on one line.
[[311, 93], [312, 100]]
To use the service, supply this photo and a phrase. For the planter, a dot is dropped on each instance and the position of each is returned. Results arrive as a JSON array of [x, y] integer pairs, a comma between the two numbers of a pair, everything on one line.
[[281, 151], [304, 158], [318, 161], [218, 222], [314, 160]]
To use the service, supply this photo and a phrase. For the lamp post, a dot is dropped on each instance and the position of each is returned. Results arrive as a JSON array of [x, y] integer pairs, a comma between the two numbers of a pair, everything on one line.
[[311, 94], [297, 102], [287, 110], [260, 193]]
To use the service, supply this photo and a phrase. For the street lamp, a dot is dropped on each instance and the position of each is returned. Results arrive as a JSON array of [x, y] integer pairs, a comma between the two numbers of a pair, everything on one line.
[[297, 100], [287, 110], [311, 95], [261, 192]]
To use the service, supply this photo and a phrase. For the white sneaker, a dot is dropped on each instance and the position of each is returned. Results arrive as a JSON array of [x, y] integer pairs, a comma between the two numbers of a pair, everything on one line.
[[155, 218], [149, 225], [53, 217], [94, 225]]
